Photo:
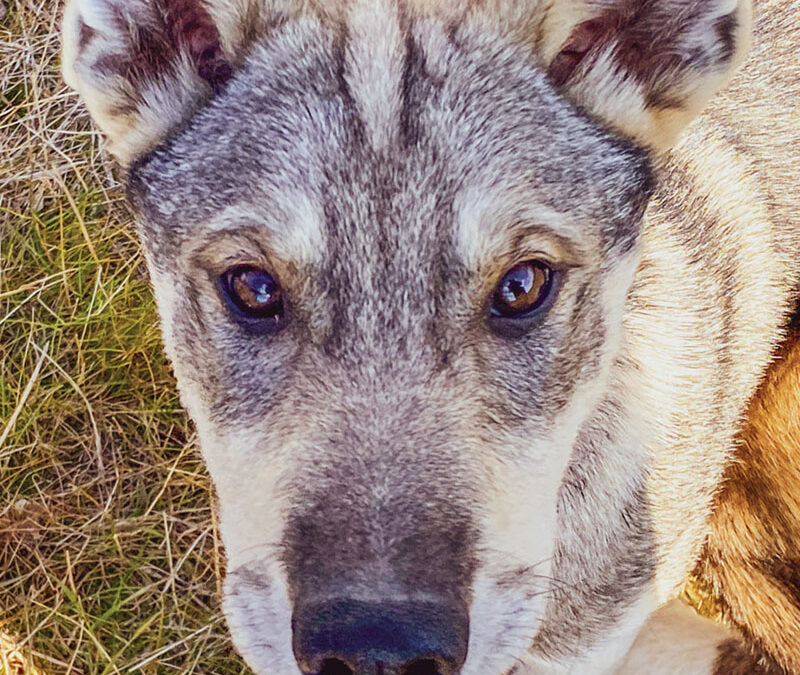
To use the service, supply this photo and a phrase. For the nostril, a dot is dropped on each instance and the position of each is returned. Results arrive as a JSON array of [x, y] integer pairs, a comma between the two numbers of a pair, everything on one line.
[[354, 637], [424, 667], [335, 667]]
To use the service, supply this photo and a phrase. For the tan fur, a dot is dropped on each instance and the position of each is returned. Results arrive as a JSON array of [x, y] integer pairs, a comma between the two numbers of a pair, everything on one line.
[[752, 557]]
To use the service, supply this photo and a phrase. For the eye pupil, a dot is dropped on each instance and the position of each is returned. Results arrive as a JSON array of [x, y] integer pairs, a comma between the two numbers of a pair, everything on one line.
[[522, 290], [253, 292], [517, 285]]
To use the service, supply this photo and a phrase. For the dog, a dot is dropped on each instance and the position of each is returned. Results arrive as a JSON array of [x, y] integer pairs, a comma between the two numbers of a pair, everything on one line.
[[466, 300]]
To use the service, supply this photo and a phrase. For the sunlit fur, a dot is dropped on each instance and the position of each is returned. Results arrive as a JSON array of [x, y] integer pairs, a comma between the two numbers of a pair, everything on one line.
[[387, 162], [750, 561]]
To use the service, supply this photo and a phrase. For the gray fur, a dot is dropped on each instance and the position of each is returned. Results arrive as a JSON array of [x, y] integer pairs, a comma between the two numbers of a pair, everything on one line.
[[389, 327]]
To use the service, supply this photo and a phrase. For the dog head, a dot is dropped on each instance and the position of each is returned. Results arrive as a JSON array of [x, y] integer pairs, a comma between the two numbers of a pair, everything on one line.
[[391, 246]]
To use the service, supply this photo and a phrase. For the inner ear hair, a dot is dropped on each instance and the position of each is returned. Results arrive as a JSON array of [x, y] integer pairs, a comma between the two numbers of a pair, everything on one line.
[[648, 67], [584, 36], [143, 66], [191, 25]]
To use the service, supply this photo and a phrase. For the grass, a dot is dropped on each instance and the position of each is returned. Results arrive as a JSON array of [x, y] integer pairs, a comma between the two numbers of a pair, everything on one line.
[[110, 561]]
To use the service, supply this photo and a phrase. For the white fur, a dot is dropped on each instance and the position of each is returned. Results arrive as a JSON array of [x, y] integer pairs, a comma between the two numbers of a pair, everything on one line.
[[375, 65], [675, 640]]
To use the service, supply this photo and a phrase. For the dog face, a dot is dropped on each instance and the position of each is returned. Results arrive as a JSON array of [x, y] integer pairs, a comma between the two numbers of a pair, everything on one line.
[[391, 260], [389, 436]]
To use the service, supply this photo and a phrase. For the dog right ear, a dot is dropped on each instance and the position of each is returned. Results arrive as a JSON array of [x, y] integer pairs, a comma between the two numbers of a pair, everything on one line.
[[144, 66], [645, 67]]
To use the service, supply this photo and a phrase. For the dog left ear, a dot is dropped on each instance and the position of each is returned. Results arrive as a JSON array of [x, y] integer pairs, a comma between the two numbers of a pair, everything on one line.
[[144, 66], [645, 67]]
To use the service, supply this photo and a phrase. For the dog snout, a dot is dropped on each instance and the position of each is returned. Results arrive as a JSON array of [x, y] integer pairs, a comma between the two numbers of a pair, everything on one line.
[[350, 637]]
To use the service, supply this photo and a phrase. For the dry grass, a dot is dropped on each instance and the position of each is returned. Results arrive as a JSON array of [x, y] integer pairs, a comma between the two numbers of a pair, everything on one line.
[[109, 555]]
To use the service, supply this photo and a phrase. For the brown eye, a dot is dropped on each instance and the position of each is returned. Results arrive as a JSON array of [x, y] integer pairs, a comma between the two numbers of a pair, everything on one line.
[[253, 295], [523, 290]]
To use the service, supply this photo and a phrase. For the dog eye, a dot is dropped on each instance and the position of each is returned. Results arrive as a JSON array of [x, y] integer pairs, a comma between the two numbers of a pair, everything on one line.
[[253, 296], [522, 290]]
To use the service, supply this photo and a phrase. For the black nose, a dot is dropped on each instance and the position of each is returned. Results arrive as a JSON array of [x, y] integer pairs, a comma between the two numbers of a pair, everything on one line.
[[350, 637]]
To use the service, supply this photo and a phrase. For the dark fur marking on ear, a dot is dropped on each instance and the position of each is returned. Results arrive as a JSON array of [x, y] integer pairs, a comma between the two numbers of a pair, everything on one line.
[[725, 28], [189, 24], [147, 57], [785, 573], [794, 322], [584, 38], [647, 46], [156, 42], [85, 36], [662, 100]]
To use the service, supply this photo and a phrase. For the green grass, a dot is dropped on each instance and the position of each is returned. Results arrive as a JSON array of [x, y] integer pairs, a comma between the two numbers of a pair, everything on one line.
[[110, 561]]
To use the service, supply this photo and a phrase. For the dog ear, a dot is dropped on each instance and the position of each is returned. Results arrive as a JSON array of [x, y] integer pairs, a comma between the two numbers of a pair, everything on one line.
[[645, 67], [143, 66]]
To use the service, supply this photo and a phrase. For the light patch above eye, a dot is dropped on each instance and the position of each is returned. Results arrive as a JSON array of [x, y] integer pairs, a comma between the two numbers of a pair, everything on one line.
[[292, 226], [490, 224]]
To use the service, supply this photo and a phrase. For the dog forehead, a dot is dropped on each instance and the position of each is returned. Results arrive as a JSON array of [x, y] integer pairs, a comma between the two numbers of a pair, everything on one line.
[[316, 125]]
